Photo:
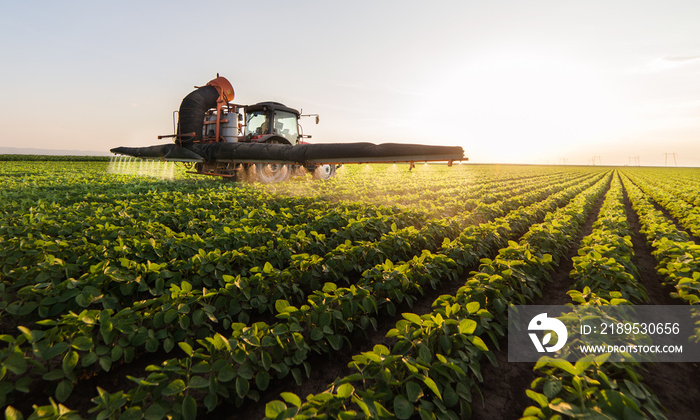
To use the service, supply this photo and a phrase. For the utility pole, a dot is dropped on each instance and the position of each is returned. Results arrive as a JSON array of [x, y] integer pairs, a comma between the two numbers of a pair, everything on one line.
[[633, 158], [594, 159], [666, 155]]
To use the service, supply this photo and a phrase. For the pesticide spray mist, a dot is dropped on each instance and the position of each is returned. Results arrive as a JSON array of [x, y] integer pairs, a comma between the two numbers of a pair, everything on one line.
[[128, 165]]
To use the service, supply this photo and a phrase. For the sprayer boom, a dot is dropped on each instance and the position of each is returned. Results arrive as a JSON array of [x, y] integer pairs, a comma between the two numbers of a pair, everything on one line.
[[264, 141]]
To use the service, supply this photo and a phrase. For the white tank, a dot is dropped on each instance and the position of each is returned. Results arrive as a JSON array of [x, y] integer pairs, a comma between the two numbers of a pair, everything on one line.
[[228, 129]]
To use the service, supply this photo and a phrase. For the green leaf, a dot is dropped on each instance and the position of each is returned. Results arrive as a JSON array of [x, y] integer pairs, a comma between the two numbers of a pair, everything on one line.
[[174, 387], [262, 380], [186, 348], [274, 409], [15, 363], [566, 408], [316, 334], [583, 364], [246, 371], [12, 413], [335, 341], [467, 326], [70, 360], [106, 363], [291, 399], [552, 388], [198, 382], [226, 373], [63, 390], [22, 384], [242, 387], [635, 390], [211, 401], [189, 408], [403, 409], [28, 308], [155, 412], [82, 343], [425, 355], [168, 344], [281, 305], [478, 342], [412, 317], [432, 386], [133, 413], [563, 365], [89, 359], [344, 391], [450, 396], [170, 315], [55, 350], [414, 391], [53, 375], [537, 397], [267, 268]]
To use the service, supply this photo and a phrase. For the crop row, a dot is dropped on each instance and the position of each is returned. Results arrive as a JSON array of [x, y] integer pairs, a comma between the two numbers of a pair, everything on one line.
[[52, 158], [309, 328], [604, 262], [142, 263], [687, 214], [128, 329], [423, 189], [678, 257], [603, 274], [315, 333], [46, 258], [113, 287], [434, 366], [684, 187], [45, 280]]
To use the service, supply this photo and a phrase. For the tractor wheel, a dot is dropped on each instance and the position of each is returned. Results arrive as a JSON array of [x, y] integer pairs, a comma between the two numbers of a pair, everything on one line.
[[324, 172], [269, 173]]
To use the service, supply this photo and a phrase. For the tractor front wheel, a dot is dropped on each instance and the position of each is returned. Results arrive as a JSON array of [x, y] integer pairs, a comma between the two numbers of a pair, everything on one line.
[[324, 172], [269, 173]]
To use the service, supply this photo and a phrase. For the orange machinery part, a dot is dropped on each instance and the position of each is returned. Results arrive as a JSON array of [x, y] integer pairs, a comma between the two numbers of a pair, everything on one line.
[[224, 87]]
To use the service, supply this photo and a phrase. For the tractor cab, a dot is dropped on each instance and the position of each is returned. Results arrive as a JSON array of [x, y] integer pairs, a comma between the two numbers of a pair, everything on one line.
[[272, 118]]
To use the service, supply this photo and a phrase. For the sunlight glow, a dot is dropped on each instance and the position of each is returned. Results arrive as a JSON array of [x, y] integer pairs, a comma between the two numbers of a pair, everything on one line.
[[517, 106]]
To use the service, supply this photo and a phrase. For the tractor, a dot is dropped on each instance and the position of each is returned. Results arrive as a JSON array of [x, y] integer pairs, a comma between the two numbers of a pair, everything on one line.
[[264, 141]]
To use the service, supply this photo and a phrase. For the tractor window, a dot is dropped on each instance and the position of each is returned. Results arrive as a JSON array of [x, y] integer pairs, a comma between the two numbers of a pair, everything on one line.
[[257, 123], [286, 126]]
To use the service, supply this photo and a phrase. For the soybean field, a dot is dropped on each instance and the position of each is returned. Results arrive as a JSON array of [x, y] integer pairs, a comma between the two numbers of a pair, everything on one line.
[[380, 293]]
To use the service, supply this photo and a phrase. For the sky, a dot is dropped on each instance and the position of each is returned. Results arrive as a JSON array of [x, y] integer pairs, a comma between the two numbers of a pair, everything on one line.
[[549, 82]]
